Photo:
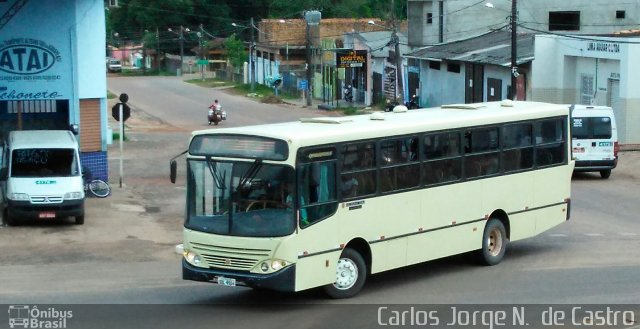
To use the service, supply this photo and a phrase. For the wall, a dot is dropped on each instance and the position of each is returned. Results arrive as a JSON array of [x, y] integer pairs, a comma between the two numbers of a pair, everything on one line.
[[54, 51], [440, 86], [471, 17], [560, 63]]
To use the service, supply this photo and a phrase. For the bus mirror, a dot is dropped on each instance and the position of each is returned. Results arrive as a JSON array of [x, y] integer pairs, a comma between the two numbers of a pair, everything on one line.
[[173, 168]]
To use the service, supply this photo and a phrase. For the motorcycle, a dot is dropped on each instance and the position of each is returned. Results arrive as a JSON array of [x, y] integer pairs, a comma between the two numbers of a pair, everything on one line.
[[412, 103], [348, 94], [390, 105], [216, 114]]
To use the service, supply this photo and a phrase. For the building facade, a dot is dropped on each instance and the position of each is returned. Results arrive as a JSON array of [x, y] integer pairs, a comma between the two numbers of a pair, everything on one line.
[[52, 72], [437, 21], [591, 71]]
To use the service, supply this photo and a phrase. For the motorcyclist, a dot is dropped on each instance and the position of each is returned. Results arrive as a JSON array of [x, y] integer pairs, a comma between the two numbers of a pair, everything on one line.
[[348, 93], [215, 112], [215, 105]]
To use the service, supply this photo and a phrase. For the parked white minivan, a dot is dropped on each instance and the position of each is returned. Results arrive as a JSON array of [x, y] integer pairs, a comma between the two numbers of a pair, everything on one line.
[[594, 139], [41, 176]]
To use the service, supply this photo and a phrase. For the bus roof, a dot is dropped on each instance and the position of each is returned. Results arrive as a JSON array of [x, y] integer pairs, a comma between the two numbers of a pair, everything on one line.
[[323, 130]]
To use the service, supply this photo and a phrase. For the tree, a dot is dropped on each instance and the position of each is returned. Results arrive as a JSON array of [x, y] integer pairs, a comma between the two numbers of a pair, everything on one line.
[[235, 50]]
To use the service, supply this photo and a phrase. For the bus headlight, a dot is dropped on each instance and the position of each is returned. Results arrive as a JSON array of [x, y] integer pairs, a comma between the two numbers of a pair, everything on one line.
[[19, 197], [273, 264], [73, 195], [192, 257]]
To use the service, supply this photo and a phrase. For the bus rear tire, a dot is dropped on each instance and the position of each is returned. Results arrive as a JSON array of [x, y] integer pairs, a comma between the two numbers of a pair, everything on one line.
[[351, 274], [79, 220], [494, 242], [605, 173]]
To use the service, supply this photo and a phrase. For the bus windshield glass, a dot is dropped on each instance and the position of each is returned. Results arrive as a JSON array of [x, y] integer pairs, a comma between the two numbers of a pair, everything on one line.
[[252, 199]]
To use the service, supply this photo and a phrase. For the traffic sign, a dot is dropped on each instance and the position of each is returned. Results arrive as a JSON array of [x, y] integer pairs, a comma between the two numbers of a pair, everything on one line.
[[203, 62], [126, 111], [302, 85]]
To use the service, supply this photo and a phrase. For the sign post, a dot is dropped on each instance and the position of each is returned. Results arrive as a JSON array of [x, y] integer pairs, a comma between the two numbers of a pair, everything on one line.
[[121, 113]]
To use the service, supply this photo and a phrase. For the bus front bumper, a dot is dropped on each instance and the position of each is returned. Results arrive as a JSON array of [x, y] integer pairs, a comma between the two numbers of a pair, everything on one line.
[[283, 280]]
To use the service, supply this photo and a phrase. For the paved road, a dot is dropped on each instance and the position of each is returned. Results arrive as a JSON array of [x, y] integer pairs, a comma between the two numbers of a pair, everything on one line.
[[124, 252]]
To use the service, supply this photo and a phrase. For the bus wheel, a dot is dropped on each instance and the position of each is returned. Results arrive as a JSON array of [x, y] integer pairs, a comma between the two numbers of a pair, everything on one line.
[[494, 242], [351, 273], [605, 173]]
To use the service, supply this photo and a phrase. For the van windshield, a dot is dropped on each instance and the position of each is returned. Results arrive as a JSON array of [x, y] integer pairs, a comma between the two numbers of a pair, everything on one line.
[[44, 162], [591, 128]]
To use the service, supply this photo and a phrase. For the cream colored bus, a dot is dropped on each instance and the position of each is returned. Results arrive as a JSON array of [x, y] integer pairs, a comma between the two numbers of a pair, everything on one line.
[[329, 201]]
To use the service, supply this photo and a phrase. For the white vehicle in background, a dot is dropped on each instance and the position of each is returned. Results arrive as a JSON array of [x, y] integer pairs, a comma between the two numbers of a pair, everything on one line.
[[114, 65], [594, 139], [41, 177]]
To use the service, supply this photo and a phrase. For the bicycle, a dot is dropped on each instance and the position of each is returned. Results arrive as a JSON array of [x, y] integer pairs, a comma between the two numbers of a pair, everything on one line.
[[95, 187]]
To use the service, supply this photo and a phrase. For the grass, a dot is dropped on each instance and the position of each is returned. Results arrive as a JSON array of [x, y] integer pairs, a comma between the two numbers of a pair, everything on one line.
[[116, 137], [210, 82], [111, 95]]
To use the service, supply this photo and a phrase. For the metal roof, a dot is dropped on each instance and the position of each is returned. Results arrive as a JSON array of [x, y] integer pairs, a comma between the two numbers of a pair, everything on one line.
[[378, 42], [491, 48]]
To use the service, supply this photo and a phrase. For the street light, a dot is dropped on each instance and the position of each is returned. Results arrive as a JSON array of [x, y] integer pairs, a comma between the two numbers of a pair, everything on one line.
[[252, 65], [396, 41], [514, 48]]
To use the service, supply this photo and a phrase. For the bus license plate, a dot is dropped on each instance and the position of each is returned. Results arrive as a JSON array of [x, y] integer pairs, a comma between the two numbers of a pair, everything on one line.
[[226, 281], [47, 214]]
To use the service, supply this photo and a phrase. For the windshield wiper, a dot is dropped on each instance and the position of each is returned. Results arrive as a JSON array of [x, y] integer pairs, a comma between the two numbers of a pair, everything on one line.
[[250, 173], [217, 177]]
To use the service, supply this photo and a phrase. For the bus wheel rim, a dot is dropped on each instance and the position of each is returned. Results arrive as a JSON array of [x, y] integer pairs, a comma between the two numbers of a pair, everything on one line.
[[494, 243], [346, 274]]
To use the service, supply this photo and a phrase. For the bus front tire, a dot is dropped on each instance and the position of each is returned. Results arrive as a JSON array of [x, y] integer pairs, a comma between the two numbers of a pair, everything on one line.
[[605, 173], [494, 242], [351, 274], [79, 220]]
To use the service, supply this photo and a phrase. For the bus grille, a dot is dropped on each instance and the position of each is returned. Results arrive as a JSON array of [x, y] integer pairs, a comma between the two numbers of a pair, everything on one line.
[[46, 199], [230, 257], [230, 262]]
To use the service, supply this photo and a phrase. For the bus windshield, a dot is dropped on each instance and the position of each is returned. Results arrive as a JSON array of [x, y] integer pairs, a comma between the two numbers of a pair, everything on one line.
[[44, 163], [252, 199]]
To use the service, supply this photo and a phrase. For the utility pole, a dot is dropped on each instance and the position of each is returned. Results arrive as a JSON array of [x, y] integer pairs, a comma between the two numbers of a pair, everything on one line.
[[157, 49], [514, 51], [181, 48], [395, 39], [311, 17], [307, 91], [253, 61], [202, 51]]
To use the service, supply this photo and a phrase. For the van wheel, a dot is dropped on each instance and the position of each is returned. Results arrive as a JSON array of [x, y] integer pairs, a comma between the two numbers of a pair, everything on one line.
[[605, 173], [494, 242], [79, 220], [351, 273]]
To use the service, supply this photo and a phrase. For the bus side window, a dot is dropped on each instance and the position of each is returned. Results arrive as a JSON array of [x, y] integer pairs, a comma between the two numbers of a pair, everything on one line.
[[317, 191]]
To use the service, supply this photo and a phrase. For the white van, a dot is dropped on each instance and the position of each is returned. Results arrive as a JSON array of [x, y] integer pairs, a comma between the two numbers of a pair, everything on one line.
[[41, 176], [594, 139]]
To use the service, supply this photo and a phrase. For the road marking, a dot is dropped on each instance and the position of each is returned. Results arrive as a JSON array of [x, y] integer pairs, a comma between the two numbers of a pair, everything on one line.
[[627, 234], [558, 235], [594, 234]]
